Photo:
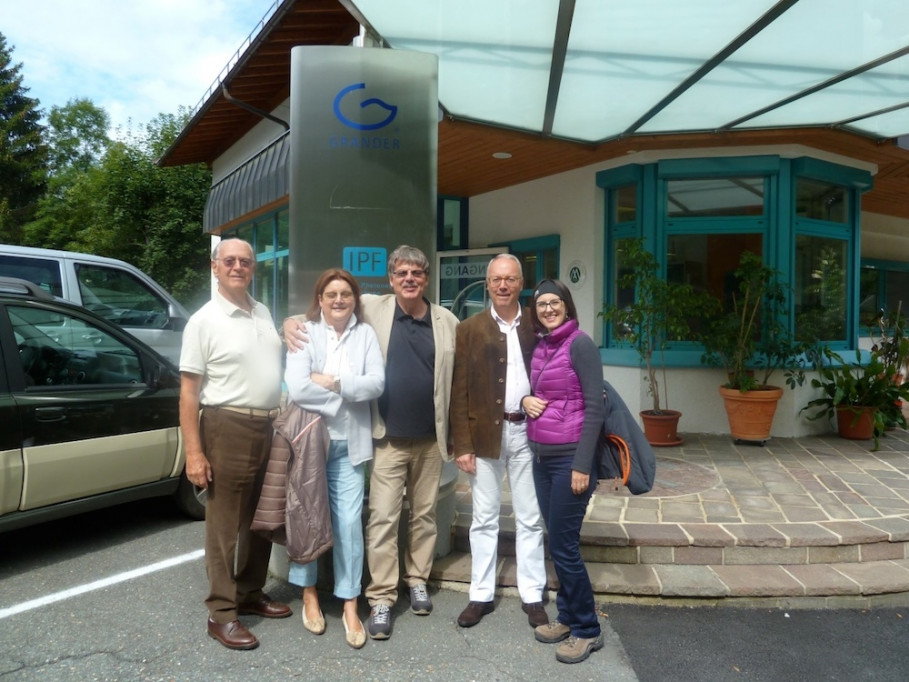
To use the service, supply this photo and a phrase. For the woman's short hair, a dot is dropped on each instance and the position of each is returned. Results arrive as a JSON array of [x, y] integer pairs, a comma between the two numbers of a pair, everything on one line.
[[315, 309]]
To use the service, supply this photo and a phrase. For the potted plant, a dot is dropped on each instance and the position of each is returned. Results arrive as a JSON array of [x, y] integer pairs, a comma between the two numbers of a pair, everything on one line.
[[660, 312], [891, 345], [862, 395], [750, 341]]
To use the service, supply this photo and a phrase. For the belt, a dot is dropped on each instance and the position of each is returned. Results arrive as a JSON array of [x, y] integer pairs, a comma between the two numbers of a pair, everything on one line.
[[250, 411], [514, 416]]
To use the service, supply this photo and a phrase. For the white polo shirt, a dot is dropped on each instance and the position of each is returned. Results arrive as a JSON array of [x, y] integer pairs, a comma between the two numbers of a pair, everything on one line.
[[238, 354]]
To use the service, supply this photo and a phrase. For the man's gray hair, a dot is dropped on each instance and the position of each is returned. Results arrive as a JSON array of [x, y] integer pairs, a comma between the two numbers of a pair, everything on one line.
[[408, 254], [509, 256], [214, 251]]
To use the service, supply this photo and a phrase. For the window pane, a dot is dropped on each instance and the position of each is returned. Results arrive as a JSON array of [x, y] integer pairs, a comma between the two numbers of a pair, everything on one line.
[[626, 204], [821, 200], [45, 273], [121, 298], [57, 349], [623, 297], [715, 197], [451, 224], [897, 292], [707, 262], [820, 288], [868, 297]]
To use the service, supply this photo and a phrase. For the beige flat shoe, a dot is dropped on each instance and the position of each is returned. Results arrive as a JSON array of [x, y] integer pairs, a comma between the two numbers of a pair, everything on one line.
[[354, 638], [315, 626]]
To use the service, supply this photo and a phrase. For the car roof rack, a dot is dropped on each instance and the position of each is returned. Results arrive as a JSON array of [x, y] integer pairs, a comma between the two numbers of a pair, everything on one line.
[[15, 285]]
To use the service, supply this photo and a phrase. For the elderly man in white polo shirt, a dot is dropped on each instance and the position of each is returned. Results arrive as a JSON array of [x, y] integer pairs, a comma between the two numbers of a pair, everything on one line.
[[230, 367]]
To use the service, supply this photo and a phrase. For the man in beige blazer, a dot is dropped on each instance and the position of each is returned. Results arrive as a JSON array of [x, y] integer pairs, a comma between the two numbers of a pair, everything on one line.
[[410, 432]]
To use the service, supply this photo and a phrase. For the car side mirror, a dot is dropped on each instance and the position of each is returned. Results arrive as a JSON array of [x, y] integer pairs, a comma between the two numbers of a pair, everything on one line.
[[177, 322]]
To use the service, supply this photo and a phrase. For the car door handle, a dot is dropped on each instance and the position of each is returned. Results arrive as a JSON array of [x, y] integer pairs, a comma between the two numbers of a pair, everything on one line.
[[50, 414]]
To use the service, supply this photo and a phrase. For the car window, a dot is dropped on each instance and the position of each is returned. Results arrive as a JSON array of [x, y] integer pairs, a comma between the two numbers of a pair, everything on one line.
[[58, 349], [42, 271], [119, 296]]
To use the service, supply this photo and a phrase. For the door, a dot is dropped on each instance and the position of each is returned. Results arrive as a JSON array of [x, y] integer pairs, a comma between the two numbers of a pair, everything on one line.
[[92, 415], [461, 279]]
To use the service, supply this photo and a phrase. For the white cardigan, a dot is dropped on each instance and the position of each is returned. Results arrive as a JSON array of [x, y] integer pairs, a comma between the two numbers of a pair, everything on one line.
[[362, 380]]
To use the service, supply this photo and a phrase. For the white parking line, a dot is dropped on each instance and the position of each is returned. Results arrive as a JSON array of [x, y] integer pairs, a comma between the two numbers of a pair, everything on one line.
[[98, 584]]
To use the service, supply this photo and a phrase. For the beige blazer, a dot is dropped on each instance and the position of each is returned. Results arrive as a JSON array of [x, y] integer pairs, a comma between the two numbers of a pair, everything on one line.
[[379, 312]]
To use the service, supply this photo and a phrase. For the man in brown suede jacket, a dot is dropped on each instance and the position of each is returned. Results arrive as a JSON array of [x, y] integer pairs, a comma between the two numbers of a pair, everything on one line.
[[492, 360]]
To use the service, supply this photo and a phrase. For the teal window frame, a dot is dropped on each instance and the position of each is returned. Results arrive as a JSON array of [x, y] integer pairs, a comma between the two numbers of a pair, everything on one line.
[[882, 293], [537, 247], [262, 230], [778, 226]]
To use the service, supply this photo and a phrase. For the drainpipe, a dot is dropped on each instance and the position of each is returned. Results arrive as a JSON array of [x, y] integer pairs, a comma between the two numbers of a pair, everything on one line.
[[250, 108]]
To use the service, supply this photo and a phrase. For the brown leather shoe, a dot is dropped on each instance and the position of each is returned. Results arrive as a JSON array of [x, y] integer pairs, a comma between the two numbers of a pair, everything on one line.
[[264, 606], [474, 613], [233, 635], [536, 614]]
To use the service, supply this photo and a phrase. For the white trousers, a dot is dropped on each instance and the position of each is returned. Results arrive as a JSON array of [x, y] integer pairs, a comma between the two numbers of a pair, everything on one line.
[[486, 487]]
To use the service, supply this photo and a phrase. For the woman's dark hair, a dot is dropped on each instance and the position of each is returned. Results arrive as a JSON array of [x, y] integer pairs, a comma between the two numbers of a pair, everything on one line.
[[315, 310], [562, 292]]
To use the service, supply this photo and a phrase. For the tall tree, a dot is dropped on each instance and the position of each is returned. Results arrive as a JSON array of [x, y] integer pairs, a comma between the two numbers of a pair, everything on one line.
[[76, 135], [23, 154]]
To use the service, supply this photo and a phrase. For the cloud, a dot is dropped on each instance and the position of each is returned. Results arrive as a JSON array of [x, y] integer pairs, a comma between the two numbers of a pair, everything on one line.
[[134, 58]]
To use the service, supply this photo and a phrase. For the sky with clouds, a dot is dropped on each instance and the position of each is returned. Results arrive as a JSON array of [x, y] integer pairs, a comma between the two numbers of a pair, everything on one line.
[[133, 58]]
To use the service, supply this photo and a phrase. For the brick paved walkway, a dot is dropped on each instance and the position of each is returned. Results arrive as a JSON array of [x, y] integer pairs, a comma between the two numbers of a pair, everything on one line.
[[818, 519]]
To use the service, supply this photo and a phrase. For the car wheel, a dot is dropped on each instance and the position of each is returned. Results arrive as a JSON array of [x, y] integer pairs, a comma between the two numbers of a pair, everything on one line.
[[190, 499]]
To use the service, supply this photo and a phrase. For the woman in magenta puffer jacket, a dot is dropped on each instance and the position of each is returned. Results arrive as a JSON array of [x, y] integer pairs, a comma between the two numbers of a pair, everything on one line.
[[565, 419]]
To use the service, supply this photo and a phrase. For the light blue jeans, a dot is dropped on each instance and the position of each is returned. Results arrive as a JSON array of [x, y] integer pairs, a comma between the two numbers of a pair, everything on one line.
[[345, 498]]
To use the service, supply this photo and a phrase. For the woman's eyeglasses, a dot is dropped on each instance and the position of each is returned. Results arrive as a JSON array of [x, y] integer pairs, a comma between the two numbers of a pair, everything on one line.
[[555, 304], [343, 295]]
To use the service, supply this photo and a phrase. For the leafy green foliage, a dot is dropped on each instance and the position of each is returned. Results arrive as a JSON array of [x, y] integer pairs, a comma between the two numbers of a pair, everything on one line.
[[124, 206], [661, 312], [856, 385], [750, 339]]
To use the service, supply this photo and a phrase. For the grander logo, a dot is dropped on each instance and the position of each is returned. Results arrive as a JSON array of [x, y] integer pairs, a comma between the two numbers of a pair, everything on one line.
[[371, 107]]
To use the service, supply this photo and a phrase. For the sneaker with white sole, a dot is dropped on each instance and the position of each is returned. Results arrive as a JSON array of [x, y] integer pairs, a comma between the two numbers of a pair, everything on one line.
[[379, 624], [420, 603], [577, 649]]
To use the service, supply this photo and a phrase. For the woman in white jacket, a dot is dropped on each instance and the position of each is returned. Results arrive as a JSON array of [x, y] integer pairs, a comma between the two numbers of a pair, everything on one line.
[[337, 375]]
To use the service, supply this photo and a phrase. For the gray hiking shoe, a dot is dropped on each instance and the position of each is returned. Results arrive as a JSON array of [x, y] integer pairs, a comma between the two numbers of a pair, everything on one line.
[[420, 603], [575, 649], [379, 624]]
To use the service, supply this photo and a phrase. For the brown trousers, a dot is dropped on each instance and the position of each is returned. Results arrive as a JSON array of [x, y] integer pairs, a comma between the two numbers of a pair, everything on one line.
[[237, 448]]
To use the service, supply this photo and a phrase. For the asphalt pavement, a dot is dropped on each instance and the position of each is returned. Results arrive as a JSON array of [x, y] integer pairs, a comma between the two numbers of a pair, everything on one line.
[[118, 595]]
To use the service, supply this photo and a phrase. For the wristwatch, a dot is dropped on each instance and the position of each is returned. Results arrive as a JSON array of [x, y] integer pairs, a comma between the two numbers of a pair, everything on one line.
[[336, 385]]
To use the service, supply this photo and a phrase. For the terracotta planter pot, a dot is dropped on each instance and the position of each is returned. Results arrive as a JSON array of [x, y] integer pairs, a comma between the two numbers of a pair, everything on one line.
[[751, 413], [661, 429], [855, 423]]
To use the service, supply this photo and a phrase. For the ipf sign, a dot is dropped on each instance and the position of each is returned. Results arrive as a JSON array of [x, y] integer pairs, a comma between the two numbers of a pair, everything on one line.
[[365, 261]]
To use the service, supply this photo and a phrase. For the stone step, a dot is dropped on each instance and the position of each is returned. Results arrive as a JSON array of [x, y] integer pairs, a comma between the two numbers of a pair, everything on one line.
[[819, 585], [825, 542]]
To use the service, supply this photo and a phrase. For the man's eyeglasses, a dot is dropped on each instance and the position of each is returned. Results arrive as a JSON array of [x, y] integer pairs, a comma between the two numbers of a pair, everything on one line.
[[555, 304], [403, 274], [498, 281], [231, 261]]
